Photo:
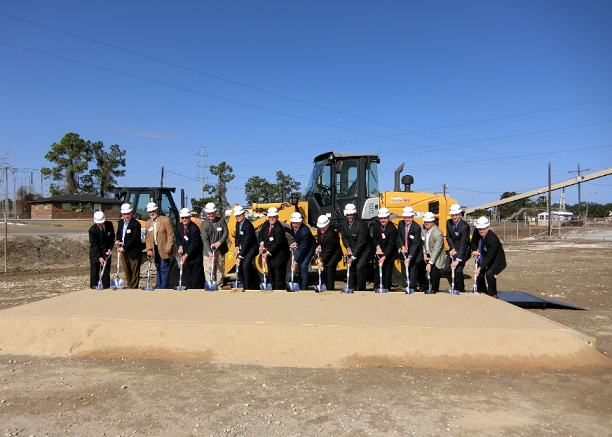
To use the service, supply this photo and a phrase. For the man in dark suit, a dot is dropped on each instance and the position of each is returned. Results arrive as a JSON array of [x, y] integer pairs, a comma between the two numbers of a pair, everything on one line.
[[129, 245], [358, 244], [491, 257], [458, 239], [189, 242], [101, 240], [303, 246], [385, 242], [411, 245], [246, 250], [329, 250], [274, 248]]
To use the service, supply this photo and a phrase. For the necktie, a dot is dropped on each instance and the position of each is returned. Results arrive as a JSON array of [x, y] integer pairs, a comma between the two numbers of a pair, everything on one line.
[[184, 230], [269, 230], [406, 239]]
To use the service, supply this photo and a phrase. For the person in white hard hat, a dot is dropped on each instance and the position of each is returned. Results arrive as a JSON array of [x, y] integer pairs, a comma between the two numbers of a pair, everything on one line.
[[129, 245], [458, 239], [490, 256], [303, 246], [246, 250], [101, 240], [159, 242], [358, 244], [215, 236], [411, 245], [385, 246], [433, 249], [274, 248], [189, 242], [328, 250]]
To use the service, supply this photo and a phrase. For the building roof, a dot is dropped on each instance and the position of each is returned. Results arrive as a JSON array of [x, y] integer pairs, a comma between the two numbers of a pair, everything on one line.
[[75, 198]]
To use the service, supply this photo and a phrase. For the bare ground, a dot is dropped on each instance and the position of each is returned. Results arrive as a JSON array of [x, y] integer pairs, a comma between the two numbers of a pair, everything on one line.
[[94, 396]]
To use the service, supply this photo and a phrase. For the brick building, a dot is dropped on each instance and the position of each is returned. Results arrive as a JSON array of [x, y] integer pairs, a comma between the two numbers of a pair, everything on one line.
[[70, 206]]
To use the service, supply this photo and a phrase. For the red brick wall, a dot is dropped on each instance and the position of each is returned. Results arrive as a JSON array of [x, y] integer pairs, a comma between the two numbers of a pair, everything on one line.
[[55, 211]]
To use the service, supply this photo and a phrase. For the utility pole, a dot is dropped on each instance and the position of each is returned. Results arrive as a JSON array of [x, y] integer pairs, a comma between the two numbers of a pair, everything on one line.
[[202, 154], [161, 182], [549, 202], [579, 178]]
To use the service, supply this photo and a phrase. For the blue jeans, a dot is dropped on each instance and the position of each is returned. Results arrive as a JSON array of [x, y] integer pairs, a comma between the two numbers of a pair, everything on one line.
[[163, 270]]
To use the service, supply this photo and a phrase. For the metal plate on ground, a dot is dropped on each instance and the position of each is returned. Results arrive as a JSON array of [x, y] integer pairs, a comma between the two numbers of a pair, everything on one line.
[[527, 300]]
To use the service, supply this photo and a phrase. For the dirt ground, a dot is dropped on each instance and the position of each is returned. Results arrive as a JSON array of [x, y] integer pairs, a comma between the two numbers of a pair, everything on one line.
[[109, 397]]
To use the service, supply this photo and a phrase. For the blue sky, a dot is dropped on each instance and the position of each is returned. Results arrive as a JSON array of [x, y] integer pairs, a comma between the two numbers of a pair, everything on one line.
[[477, 95]]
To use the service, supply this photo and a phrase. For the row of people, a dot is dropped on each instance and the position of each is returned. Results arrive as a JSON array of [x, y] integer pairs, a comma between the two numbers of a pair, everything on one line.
[[203, 250]]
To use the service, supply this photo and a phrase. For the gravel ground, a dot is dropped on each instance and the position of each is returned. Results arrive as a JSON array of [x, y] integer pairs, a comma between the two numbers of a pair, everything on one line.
[[110, 397]]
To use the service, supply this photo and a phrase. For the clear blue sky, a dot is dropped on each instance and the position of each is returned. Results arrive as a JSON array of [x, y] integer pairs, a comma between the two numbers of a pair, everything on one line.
[[477, 95]]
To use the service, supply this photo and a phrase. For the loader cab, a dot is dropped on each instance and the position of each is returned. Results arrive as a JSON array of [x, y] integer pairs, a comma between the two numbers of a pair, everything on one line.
[[139, 197], [338, 179]]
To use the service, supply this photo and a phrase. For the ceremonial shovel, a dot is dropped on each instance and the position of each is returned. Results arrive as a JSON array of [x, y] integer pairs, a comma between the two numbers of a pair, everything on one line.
[[380, 289], [407, 290], [320, 288], [148, 287], [117, 283], [348, 270], [264, 285], [292, 286], [180, 286], [99, 286], [211, 285]]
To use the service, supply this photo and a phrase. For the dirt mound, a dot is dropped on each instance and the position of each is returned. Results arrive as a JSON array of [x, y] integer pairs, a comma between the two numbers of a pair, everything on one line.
[[35, 252]]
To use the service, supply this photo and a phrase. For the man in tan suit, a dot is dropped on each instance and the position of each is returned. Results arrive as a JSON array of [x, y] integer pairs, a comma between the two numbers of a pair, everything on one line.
[[160, 242], [433, 249]]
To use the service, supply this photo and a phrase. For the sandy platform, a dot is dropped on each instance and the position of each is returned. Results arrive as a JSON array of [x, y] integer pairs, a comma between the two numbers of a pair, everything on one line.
[[304, 329]]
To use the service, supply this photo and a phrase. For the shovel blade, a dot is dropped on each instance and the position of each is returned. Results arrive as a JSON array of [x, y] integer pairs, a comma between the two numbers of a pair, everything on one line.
[[429, 292], [293, 286], [180, 288], [381, 290], [265, 286], [97, 287], [117, 284], [210, 286], [409, 290], [320, 288]]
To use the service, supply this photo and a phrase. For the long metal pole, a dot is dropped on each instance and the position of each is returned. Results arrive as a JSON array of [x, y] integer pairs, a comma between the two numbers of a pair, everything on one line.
[[549, 201]]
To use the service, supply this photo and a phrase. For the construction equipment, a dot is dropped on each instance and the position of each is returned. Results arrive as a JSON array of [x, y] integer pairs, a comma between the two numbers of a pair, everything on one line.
[[293, 286], [117, 283], [148, 287], [99, 286], [336, 180], [380, 288], [264, 285], [211, 285], [180, 286], [319, 288], [348, 289]]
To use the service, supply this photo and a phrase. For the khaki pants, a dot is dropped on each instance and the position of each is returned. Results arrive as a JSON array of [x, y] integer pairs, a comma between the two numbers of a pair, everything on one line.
[[132, 271], [219, 268]]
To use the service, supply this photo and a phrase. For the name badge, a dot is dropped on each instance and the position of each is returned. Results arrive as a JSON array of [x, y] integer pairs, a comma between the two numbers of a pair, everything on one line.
[[108, 233], [219, 229], [129, 231], [186, 238], [271, 238], [456, 234], [384, 236], [485, 249], [241, 233], [151, 229], [412, 237]]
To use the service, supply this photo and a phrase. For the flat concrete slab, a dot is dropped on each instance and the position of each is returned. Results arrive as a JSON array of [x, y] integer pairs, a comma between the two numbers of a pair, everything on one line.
[[304, 329]]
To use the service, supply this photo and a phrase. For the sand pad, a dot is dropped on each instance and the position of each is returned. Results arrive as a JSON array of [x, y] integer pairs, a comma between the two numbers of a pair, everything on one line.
[[304, 329]]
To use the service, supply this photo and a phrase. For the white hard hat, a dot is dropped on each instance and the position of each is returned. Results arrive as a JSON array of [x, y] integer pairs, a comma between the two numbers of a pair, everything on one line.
[[429, 217], [296, 217], [322, 221], [99, 217], [184, 213], [210, 208], [350, 209], [482, 223], [151, 206], [125, 208], [272, 212], [455, 209], [408, 211], [238, 210], [383, 212]]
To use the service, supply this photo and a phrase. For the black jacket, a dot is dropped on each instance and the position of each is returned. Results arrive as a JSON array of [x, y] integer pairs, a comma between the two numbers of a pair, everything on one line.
[[357, 238], [275, 242], [331, 251], [415, 243], [387, 240], [101, 240], [459, 239], [191, 241], [132, 243], [492, 255], [306, 243], [246, 240]]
